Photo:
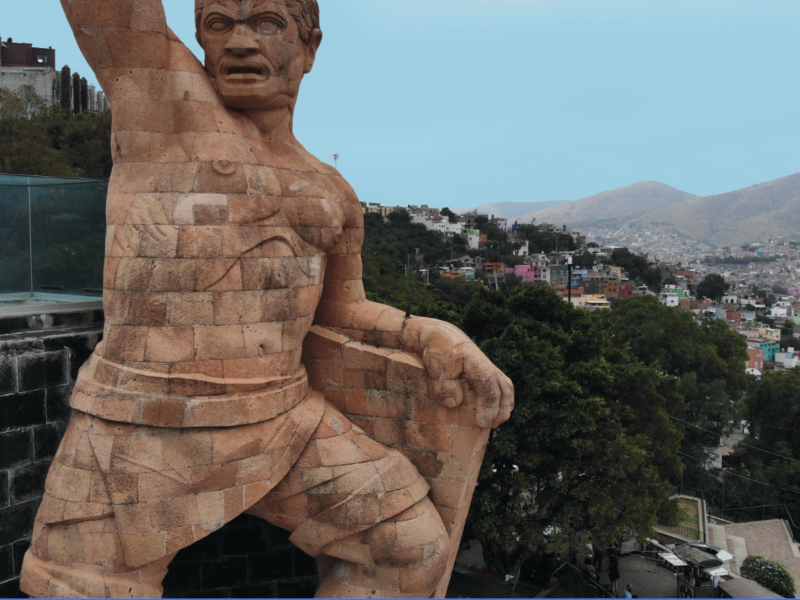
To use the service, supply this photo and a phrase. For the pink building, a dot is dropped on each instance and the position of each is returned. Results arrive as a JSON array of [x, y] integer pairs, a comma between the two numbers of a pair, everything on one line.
[[528, 273], [755, 358]]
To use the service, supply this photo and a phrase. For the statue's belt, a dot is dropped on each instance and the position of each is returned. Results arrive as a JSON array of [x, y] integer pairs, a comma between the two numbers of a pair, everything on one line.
[[118, 393]]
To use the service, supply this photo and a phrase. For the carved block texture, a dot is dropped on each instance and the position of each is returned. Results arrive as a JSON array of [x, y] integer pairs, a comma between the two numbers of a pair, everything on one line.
[[210, 397], [247, 558]]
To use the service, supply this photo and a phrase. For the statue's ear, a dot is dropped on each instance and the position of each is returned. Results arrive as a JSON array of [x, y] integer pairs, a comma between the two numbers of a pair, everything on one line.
[[314, 40]]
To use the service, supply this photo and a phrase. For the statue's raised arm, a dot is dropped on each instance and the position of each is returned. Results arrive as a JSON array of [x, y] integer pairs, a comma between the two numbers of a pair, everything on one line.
[[120, 34]]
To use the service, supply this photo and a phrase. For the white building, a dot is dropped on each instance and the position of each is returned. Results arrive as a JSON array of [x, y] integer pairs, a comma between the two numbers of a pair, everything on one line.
[[473, 239], [788, 359], [439, 224], [522, 250], [669, 299]]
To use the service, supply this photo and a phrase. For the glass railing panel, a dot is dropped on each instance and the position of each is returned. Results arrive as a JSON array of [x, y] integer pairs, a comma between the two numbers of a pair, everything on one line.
[[15, 256], [52, 234], [68, 232]]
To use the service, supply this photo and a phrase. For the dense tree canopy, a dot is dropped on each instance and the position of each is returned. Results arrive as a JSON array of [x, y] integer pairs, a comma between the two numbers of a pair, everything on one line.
[[590, 446], [36, 139], [584, 260], [26, 147], [767, 467], [446, 212], [706, 363], [407, 243], [638, 268], [713, 287], [545, 241], [87, 144]]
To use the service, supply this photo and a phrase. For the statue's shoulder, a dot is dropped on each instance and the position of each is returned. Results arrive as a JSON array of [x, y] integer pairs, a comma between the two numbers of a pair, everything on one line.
[[328, 172], [178, 85], [343, 193]]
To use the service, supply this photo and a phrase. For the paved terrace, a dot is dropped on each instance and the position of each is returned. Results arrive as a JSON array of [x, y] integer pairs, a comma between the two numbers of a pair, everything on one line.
[[764, 538]]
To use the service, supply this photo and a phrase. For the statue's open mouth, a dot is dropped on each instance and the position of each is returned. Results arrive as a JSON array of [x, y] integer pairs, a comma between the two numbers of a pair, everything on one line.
[[245, 73]]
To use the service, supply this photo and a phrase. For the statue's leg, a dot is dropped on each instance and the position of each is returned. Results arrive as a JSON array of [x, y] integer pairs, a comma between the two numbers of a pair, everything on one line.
[[364, 510], [83, 560], [405, 556], [76, 551]]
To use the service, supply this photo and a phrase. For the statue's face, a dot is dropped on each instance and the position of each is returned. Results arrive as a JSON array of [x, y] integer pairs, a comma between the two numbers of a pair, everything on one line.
[[255, 53]]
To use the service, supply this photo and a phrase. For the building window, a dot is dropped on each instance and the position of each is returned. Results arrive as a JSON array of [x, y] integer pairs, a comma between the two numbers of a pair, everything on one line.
[[41, 59]]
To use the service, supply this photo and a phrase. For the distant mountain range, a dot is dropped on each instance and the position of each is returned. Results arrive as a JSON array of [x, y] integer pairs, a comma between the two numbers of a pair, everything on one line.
[[751, 214], [612, 207]]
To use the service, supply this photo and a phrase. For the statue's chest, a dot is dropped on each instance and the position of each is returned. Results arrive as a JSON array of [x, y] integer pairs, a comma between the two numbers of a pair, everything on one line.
[[269, 191]]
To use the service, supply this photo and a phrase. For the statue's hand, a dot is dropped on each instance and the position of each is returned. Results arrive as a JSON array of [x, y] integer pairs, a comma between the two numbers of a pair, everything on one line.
[[459, 372]]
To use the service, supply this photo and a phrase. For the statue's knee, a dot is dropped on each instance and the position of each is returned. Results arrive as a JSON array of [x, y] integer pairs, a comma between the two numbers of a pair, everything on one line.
[[415, 542]]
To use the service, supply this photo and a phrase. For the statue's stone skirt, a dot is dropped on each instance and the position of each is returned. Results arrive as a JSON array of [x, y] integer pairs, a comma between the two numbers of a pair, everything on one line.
[[170, 487], [162, 488]]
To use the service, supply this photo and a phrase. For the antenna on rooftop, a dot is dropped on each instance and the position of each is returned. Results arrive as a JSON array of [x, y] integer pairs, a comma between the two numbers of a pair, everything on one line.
[[336, 161]]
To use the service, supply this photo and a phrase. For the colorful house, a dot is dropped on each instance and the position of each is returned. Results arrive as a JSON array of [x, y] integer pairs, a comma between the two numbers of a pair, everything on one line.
[[528, 273], [770, 348]]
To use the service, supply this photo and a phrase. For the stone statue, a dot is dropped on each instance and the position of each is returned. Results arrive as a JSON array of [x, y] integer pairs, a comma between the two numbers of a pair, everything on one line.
[[242, 368]]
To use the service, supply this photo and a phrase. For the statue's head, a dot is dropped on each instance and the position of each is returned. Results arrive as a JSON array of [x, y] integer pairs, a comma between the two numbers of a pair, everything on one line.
[[258, 50]]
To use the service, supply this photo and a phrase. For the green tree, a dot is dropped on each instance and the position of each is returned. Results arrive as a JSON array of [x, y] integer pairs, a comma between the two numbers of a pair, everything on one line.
[[545, 241], [87, 144], [768, 321], [773, 409], [779, 289], [638, 268], [590, 446], [706, 364], [712, 287], [405, 242], [446, 212], [25, 144], [584, 260], [769, 573], [385, 282]]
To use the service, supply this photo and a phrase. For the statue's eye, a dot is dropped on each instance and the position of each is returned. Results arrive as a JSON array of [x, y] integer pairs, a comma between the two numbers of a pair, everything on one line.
[[267, 26], [219, 25]]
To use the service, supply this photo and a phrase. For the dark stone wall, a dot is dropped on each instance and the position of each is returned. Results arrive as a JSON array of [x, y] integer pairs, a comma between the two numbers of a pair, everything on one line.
[[40, 355], [248, 558]]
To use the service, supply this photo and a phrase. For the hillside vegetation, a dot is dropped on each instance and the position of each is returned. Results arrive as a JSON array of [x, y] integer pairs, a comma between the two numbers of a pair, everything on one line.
[[37, 139]]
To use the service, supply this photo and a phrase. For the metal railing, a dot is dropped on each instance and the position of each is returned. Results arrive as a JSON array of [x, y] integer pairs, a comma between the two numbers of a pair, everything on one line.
[[687, 533]]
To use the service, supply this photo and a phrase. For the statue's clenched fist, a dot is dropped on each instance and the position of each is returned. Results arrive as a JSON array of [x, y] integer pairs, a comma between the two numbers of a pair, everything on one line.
[[459, 372]]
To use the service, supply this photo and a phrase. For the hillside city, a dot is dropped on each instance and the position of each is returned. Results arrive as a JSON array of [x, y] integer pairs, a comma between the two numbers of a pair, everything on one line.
[[757, 295]]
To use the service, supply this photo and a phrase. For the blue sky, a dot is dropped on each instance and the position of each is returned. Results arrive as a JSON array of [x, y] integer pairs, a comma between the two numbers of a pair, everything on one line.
[[463, 102]]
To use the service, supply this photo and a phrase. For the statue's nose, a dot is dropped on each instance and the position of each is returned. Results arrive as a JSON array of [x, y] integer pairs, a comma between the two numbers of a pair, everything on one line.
[[242, 41]]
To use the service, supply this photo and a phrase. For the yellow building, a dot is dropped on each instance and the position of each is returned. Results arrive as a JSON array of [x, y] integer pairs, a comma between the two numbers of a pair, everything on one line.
[[769, 333], [596, 301]]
